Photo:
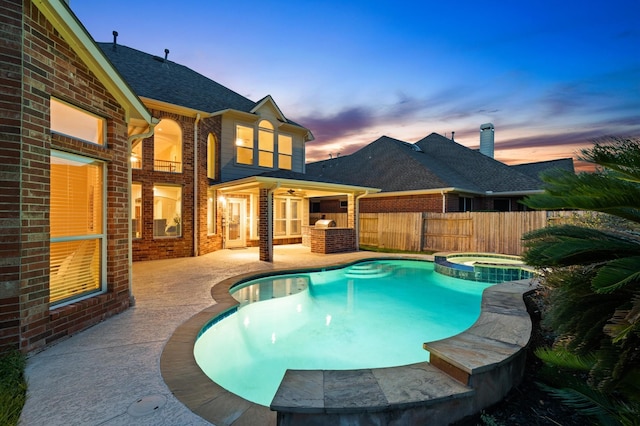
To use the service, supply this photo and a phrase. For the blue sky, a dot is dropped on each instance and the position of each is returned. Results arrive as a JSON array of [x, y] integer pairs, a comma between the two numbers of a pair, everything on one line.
[[551, 76]]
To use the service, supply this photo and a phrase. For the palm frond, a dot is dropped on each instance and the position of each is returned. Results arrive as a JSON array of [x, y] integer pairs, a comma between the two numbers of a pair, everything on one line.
[[562, 358], [618, 154], [616, 274], [585, 400], [588, 191], [624, 322], [573, 245]]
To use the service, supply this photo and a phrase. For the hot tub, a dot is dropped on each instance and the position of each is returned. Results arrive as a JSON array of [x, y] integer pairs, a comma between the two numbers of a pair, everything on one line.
[[483, 267]]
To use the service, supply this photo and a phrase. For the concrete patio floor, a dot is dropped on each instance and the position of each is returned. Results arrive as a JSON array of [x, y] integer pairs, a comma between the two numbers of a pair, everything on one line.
[[110, 374]]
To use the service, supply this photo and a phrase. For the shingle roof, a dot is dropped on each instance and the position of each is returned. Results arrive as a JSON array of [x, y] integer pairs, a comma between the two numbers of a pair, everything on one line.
[[467, 165], [534, 169], [156, 78], [288, 174], [432, 163]]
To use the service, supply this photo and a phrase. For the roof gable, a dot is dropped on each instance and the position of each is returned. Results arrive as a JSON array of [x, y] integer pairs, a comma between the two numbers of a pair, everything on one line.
[[268, 102], [435, 162], [472, 168], [67, 24], [386, 163], [534, 170]]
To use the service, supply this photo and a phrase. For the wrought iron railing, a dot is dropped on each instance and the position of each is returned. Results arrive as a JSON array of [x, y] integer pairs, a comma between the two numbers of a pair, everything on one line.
[[167, 166]]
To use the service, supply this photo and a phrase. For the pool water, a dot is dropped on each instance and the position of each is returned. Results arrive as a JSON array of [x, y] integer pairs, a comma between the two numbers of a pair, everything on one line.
[[368, 315]]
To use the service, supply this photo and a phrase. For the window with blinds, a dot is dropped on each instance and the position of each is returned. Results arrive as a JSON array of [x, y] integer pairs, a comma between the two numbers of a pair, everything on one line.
[[77, 227]]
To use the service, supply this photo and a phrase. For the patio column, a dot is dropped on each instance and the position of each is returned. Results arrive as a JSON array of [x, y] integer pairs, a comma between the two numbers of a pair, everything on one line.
[[352, 218], [351, 211], [265, 225]]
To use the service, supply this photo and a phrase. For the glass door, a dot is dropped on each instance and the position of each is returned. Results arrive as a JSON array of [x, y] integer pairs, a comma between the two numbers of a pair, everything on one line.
[[236, 233]]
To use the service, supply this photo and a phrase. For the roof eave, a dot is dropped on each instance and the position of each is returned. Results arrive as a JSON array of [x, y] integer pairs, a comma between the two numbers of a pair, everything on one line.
[[67, 24], [421, 192], [270, 182], [514, 193]]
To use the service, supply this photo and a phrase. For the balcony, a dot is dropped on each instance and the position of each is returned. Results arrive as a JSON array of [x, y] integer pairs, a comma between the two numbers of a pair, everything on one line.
[[167, 166]]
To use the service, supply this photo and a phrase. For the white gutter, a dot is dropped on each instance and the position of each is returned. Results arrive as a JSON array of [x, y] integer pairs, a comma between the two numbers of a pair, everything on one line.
[[195, 185], [357, 213], [516, 193], [152, 125]]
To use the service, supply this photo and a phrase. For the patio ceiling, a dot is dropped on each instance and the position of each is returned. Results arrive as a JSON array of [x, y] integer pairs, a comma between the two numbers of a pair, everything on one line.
[[301, 188]]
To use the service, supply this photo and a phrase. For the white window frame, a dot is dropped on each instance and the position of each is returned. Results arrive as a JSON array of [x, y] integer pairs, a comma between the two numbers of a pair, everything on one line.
[[212, 214], [69, 120], [170, 222], [101, 237], [269, 153], [238, 145], [212, 144], [288, 217], [282, 155], [176, 142]]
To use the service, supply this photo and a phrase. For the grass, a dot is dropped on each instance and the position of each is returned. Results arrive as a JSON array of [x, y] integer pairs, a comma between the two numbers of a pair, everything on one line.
[[391, 250], [13, 387]]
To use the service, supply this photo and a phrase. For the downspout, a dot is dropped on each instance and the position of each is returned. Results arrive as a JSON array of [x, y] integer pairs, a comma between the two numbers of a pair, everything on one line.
[[357, 218], [270, 220], [444, 202], [195, 185], [152, 125]]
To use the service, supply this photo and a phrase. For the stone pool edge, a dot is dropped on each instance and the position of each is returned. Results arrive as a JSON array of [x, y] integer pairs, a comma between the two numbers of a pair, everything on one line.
[[481, 364]]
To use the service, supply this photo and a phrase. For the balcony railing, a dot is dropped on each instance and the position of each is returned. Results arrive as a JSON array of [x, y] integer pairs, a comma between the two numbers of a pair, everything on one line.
[[167, 166]]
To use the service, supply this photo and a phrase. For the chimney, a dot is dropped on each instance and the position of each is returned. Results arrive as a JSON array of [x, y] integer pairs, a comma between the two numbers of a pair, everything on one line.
[[166, 54], [115, 39], [486, 139], [452, 135]]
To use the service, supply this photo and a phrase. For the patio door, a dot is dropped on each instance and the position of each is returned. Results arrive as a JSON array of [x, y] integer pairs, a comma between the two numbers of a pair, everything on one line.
[[236, 234]]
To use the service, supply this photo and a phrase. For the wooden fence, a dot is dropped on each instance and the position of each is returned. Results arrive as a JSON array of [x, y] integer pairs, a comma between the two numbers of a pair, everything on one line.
[[493, 232], [339, 218]]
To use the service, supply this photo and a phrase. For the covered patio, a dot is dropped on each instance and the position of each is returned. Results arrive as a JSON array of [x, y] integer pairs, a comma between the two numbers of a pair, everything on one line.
[[274, 209]]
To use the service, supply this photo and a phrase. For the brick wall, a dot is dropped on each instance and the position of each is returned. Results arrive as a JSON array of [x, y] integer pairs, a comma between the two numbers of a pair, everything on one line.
[[266, 254], [332, 240], [413, 203], [149, 248], [37, 64], [10, 147], [208, 243], [331, 206]]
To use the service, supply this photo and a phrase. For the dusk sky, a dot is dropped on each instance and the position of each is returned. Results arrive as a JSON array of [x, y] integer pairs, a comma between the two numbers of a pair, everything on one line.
[[551, 76]]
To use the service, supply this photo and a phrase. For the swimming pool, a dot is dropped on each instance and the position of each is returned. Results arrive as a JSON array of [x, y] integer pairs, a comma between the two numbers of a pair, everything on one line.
[[367, 315]]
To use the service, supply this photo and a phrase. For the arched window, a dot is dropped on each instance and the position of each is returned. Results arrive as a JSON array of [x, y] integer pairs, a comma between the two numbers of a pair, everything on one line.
[[167, 147], [265, 144], [211, 156]]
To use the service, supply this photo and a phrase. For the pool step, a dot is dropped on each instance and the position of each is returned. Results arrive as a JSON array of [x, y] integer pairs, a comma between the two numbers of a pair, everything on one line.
[[369, 270]]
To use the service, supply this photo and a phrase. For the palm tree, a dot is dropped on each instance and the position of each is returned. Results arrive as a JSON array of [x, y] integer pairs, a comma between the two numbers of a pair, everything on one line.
[[594, 276]]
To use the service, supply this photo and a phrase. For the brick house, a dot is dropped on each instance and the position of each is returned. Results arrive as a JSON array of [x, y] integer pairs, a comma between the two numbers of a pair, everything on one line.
[[111, 155], [219, 170], [68, 119], [436, 174]]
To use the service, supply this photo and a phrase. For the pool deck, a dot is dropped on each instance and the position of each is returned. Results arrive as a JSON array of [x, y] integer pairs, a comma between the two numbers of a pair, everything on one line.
[[110, 374]]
